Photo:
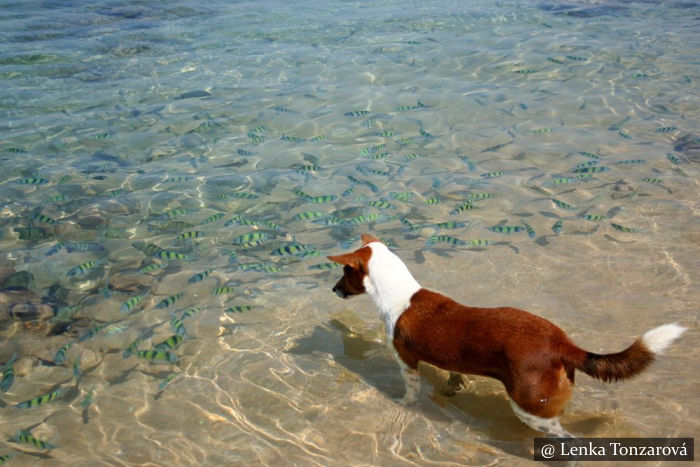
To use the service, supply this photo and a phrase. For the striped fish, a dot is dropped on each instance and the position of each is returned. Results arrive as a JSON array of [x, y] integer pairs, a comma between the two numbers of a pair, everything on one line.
[[496, 147], [84, 268], [200, 276], [356, 113], [172, 214], [87, 400], [562, 204], [8, 377], [131, 303], [24, 436], [171, 343], [60, 356], [556, 228], [666, 129], [32, 181], [321, 199], [90, 333], [41, 400], [148, 249], [157, 356], [594, 217], [292, 249], [154, 266], [132, 348], [239, 308], [250, 238], [478, 242], [530, 231], [622, 228], [450, 225], [212, 218], [169, 255], [190, 312], [433, 239], [166, 302], [165, 381], [506, 229], [465, 206], [325, 266], [189, 235], [589, 170], [177, 326], [223, 290]]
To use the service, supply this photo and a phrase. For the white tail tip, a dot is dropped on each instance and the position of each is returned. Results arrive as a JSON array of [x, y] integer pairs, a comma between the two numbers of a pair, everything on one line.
[[658, 339]]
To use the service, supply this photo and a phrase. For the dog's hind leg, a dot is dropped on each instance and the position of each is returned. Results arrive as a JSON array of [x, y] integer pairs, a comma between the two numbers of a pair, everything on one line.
[[538, 399], [548, 426]]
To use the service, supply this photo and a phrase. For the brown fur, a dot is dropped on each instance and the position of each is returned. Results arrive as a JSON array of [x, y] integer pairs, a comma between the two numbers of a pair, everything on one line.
[[354, 270], [621, 365], [523, 351]]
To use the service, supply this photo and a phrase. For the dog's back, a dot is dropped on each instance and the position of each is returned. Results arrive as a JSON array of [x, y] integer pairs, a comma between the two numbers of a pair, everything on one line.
[[487, 341]]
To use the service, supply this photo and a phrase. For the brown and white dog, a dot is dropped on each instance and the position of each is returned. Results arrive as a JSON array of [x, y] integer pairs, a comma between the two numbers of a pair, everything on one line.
[[532, 357]]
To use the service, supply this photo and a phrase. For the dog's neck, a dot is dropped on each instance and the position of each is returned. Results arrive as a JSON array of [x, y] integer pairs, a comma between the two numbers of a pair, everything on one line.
[[389, 284]]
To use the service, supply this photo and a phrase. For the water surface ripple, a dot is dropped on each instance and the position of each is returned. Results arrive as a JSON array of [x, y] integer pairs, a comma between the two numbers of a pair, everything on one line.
[[175, 173]]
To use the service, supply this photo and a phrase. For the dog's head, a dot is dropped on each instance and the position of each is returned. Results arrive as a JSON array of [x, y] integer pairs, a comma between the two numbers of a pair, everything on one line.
[[354, 269]]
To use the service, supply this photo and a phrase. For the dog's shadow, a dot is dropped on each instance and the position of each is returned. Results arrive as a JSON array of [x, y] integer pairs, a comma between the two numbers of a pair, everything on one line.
[[481, 404], [361, 356]]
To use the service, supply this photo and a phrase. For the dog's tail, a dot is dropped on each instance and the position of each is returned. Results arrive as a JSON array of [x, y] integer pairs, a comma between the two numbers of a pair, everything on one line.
[[634, 359]]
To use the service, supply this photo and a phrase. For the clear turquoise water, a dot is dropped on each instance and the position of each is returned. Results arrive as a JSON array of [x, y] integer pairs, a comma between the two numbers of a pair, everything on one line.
[[127, 122]]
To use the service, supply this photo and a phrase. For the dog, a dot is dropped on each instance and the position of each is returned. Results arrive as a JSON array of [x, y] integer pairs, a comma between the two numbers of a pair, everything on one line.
[[534, 359]]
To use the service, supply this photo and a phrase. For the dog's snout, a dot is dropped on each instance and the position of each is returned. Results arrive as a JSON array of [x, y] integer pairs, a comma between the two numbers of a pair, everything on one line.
[[339, 292]]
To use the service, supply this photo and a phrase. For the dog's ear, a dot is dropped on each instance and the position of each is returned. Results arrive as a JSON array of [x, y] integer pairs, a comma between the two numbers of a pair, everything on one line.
[[349, 259], [367, 238]]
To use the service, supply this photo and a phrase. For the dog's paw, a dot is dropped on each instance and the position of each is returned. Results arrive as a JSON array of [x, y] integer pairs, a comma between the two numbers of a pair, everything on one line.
[[449, 391], [407, 400], [455, 383]]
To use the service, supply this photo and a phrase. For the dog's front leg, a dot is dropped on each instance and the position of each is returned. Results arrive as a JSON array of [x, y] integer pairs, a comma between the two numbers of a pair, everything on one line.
[[412, 379]]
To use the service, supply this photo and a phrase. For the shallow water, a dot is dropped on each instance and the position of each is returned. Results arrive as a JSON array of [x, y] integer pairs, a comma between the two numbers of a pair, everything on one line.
[[127, 123]]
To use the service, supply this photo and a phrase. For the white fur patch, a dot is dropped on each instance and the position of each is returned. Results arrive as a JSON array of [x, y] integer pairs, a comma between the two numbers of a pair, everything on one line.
[[658, 339], [412, 380], [549, 426], [389, 284]]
